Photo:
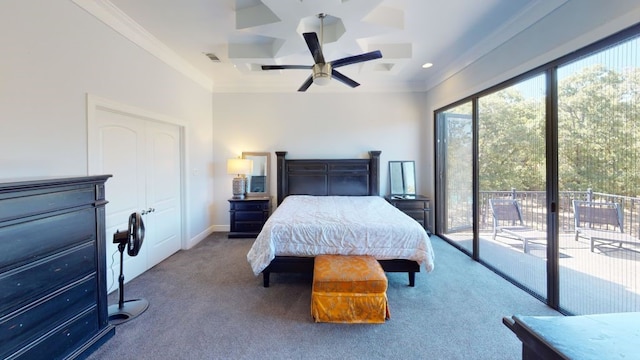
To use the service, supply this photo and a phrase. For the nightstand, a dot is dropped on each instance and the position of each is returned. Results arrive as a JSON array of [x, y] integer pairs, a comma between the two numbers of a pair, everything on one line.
[[247, 216], [418, 207]]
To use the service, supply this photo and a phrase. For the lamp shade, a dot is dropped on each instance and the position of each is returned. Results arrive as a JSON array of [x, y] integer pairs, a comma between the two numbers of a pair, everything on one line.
[[239, 166]]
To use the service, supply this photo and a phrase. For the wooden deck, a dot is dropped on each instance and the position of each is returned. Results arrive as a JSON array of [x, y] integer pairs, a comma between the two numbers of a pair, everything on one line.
[[604, 281]]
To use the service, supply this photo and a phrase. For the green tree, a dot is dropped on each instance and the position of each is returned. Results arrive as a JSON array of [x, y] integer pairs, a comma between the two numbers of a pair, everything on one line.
[[598, 134], [599, 137], [511, 141]]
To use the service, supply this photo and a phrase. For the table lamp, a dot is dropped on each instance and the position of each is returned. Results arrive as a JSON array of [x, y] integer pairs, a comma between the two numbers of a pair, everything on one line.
[[239, 167]]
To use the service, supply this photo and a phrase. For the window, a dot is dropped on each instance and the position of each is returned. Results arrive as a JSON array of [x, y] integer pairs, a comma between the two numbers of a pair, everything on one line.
[[456, 145], [599, 161], [511, 165], [566, 133]]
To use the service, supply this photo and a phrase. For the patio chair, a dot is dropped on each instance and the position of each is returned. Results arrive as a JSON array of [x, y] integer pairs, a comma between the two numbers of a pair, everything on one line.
[[507, 222], [601, 223]]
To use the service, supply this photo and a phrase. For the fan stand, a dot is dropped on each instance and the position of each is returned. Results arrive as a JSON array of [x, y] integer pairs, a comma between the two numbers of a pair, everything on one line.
[[124, 311]]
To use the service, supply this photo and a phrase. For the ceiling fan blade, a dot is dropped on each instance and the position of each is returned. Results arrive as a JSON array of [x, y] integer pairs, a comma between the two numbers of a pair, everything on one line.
[[285, 67], [357, 58], [314, 46], [306, 84], [343, 79]]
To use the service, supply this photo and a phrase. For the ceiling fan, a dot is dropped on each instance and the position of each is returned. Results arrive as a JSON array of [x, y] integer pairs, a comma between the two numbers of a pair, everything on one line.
[[321, 71]]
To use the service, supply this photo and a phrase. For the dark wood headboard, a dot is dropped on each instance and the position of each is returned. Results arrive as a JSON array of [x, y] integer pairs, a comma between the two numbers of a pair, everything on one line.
[[328, 177]]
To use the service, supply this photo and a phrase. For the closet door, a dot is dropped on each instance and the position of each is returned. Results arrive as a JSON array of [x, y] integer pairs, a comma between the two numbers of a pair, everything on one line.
[[162, 190], [144, 158], [120, 151]]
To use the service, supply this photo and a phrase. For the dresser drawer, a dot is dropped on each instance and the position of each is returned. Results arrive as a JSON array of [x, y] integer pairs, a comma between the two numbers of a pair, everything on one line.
[[259, 216], [258, 205], [31, 282], [411, 204], [28, 241], [28, 203], [245, 226], [69, 335], [417, 214], [26, 326]]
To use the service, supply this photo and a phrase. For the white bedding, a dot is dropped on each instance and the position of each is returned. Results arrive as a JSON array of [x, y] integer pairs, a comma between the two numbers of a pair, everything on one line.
[[348, 225]]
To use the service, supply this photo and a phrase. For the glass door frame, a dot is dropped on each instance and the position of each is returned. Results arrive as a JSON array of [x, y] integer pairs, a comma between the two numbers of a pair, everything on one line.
[[552, 153], [551, 158]]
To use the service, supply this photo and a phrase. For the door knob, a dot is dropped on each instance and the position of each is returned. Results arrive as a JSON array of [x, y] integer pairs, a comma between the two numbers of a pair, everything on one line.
[[148, 211]]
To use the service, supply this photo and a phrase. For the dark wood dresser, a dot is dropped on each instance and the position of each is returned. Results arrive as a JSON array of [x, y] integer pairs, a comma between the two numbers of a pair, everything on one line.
[[247, 216], [53, 294], [418, 207]]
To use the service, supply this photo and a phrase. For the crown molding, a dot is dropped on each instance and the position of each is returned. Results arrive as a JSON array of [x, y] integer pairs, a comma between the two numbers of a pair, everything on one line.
[[112, 16], [527, 17]]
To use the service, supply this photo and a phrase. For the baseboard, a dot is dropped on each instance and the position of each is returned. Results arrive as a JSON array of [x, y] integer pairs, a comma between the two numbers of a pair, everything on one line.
[[201, 236]]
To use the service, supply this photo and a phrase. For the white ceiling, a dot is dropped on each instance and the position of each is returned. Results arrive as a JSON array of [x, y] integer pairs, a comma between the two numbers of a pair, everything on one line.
[[244, 34]]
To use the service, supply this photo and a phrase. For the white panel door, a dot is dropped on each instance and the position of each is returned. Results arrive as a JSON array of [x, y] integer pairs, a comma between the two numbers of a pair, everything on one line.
[[163, 190], [144, 158], [120, 151]]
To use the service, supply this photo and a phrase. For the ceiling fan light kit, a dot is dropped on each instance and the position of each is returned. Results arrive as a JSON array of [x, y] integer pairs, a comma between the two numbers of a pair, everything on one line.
[[322, 72]]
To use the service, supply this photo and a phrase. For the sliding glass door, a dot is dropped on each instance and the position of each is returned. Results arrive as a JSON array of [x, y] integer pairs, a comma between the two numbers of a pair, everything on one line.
[[599, 163], [512, 182], [455, 173], [539, 178]]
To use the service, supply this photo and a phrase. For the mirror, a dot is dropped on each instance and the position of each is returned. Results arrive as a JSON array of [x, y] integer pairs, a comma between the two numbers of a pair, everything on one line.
[[258, 179], [402, 176]]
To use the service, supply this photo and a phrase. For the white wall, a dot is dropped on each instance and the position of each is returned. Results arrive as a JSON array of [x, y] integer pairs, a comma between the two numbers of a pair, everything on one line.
[[53, 54], [314, 125], [572, 26]]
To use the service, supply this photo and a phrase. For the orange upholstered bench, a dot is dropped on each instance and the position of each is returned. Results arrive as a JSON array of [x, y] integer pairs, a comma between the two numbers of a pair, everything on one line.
[[349, 289]]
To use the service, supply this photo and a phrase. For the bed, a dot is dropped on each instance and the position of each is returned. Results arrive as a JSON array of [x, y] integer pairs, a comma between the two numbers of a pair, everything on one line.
[[333, 206]]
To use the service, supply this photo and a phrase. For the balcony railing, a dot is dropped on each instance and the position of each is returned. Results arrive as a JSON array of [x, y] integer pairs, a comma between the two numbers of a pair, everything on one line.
[[533, 206]]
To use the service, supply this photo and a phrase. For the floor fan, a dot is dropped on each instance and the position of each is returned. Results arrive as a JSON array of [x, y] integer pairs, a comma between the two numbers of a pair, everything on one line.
[[131, 239]]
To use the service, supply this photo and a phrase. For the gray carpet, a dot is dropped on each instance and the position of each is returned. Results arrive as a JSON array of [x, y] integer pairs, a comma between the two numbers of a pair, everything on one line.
[[207, 304]]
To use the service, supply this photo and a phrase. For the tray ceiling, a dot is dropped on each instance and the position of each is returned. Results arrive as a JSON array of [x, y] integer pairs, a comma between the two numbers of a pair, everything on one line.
[[222, 43]]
